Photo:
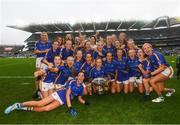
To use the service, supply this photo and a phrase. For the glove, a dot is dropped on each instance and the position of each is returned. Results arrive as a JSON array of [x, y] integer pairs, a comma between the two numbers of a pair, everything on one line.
[[87, 103], [72, 111]]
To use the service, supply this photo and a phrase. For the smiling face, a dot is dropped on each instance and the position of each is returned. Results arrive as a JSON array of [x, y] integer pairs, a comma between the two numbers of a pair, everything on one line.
[[88, 45], [44, 37], [88, 58], [59, 40], [140, 54], [68, 37], [79, 55], [92, 40], [98, 63], [55, 45], [100, 45], [122, 36], [147, 49], [131, 44], [80, 77], [131, 53], [70, 61], [109, 40], [109, 56], [68, 44], [114, 37], [117, 44], [57, 60], [119, 53]]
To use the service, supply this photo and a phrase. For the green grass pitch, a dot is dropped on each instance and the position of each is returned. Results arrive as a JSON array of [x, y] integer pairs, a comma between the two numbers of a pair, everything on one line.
[[118, 108]]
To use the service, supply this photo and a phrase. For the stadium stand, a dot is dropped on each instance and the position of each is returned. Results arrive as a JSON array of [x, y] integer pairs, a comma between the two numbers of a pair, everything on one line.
[[10, 50], [161, 32]]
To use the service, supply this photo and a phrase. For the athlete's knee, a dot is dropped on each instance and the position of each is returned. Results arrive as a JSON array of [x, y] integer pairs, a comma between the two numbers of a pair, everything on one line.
[[126, 91], [152, 82], [140, 91], [131, 90], [47, 109], [113, 91], [118, 90], [39, 104], [162, 89]]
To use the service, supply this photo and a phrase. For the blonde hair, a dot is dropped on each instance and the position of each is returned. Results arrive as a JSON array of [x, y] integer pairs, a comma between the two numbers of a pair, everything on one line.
[[146, 44]]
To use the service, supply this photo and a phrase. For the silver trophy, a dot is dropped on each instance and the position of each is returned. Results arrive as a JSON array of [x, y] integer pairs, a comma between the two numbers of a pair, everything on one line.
[[99, 83]]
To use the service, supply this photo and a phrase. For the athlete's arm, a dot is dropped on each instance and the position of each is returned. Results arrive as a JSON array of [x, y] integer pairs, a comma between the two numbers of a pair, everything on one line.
[[39, 51], [142, 70], [68, 100], [81, 100]]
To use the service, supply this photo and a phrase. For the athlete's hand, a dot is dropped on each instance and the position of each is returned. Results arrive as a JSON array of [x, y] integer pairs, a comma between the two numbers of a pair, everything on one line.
[[50, 65], [72, 111], [140, 66], [36, 74], [97, 33], [152, 73], [46, 50], [104, 59], [123, 46]]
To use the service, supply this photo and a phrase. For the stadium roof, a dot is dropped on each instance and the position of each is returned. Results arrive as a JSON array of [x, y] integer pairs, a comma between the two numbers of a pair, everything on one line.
[[161, 22]]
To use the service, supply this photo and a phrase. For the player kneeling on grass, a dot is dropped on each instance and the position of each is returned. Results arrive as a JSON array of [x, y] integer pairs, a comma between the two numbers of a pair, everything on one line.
[[135, 75], [73, 88], [162, 72], [47, 84]]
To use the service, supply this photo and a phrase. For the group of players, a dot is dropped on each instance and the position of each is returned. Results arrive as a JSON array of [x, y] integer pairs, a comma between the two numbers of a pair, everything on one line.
[[66, 68]]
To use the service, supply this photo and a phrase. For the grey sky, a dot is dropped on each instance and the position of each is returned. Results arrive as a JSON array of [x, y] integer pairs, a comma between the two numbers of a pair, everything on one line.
[[24, 12]]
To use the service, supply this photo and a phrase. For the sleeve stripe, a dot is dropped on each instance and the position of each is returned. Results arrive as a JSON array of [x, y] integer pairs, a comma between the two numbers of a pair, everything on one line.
[[157, 58]]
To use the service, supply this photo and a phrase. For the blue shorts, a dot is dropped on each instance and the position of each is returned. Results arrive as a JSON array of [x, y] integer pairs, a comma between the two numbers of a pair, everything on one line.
[[123, 76]]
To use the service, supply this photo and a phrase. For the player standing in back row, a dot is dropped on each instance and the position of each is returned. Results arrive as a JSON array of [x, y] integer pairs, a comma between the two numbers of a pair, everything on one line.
[[42, 46]]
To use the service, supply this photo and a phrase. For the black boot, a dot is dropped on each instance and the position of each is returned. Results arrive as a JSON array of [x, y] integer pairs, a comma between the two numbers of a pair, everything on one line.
[[35, 95]]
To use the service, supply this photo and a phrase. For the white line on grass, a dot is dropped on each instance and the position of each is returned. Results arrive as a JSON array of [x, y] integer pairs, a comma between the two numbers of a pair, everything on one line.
[[25, 83], [16, 77]]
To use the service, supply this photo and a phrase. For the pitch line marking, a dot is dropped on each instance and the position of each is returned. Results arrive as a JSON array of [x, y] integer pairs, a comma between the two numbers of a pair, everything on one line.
[[16, 77]]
